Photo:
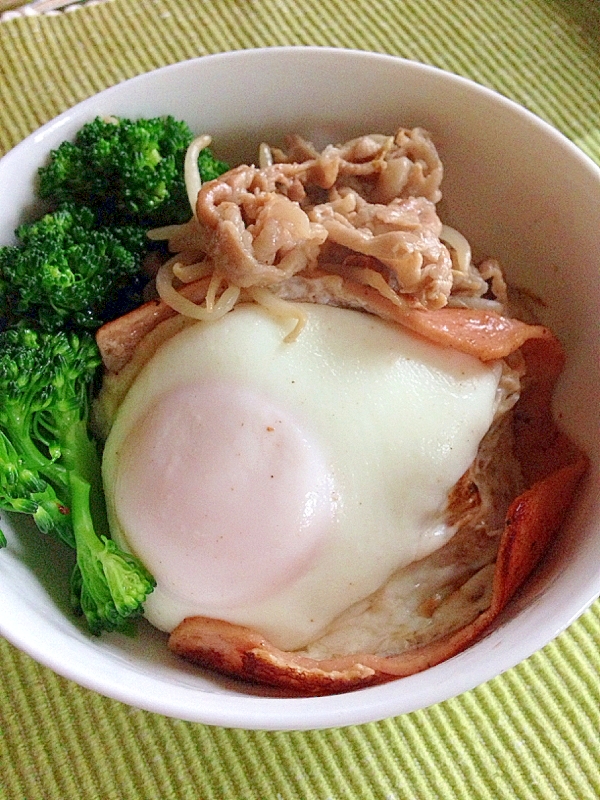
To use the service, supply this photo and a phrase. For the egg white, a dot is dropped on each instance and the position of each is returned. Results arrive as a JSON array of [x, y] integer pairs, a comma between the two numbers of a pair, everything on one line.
[[385, 424]]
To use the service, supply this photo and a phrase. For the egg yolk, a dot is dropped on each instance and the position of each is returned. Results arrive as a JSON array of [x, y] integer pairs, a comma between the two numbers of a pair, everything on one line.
[[237, 497]]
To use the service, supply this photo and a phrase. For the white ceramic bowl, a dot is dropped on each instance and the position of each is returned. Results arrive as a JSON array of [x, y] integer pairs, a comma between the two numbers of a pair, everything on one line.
[[519, 191]]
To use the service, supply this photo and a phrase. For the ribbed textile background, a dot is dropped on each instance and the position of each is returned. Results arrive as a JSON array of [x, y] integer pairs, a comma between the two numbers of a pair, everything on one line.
[[532, 733]]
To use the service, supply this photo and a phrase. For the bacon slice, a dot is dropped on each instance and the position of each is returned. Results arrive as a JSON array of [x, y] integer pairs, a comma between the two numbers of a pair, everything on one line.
[[484, 334], [118, 339]]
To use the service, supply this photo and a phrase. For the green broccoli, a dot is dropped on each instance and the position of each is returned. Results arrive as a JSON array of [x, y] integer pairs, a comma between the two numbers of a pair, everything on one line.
[[49, 467], [72, 270], [24, 491], [127, 170], [67, 272]]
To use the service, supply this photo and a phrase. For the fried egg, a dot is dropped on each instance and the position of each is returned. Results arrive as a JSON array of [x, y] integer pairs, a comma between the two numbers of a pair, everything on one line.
[[273, 484]]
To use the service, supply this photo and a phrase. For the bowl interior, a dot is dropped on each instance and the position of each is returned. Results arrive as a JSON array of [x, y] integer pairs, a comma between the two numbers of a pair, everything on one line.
[[514, 186]]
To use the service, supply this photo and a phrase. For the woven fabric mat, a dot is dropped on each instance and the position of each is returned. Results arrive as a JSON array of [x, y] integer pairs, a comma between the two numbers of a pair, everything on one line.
[[534, 732]]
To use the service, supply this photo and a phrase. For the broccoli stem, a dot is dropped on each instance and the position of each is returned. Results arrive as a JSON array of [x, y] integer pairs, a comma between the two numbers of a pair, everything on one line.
[[80, 457], [94, 597], [108, 585]]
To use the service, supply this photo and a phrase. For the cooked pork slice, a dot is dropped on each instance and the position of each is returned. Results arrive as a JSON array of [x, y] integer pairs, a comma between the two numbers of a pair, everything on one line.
[[402, 236], [379, 168], [256, 235]]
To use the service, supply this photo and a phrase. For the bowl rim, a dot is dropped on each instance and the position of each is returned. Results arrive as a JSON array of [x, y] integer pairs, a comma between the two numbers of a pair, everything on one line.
[[276, 713]]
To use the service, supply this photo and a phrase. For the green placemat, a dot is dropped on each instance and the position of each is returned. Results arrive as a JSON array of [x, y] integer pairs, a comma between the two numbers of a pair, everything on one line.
[[534, 732]]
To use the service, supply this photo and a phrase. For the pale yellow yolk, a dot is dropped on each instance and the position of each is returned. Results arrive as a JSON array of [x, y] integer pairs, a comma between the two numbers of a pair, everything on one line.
[[223, 493]]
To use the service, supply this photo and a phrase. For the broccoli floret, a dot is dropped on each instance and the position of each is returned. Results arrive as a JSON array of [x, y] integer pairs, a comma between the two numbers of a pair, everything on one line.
[[49, 467], [24, 491], [127, 170], [67, 272]]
